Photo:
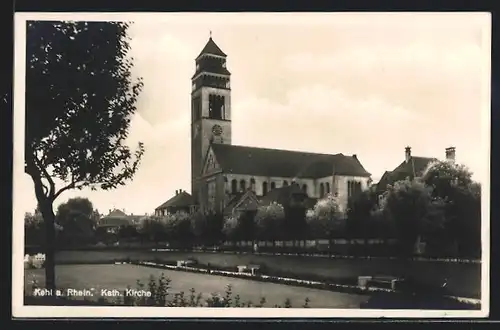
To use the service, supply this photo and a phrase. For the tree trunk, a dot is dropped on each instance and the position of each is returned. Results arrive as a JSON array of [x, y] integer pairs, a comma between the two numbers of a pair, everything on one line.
[[45, 206], [49, 220]]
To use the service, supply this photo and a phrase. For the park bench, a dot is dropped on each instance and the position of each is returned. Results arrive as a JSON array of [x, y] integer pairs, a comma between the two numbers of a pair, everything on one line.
[[387, 282], [184, 263], [253, 269]]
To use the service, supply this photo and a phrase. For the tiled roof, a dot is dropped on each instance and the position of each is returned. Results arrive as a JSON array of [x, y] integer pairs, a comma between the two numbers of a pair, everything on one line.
[[119, 218], [411, 169], [181, 200], [116, 214], [415, 167], [212, 48], [284, 163]]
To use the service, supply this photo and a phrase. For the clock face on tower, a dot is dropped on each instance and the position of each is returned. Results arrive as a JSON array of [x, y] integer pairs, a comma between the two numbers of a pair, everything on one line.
[[217, 130]]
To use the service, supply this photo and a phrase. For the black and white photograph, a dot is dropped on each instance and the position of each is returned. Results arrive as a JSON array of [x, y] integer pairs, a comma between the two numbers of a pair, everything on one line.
[[275, 165]]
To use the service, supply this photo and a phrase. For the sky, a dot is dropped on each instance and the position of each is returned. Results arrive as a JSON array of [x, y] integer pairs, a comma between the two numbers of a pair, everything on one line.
[[364, 84]]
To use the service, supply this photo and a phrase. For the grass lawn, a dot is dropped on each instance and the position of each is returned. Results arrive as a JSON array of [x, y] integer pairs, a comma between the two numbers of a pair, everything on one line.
[[463, 279], [119, 276]]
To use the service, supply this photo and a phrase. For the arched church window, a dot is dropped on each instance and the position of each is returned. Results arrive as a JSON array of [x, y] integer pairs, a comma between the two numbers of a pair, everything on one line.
[[264, 188], [304, 188], [321, 190], [273, 185], [252, 184], [327, 187], [234, 186], [243, 185], [285, 183]]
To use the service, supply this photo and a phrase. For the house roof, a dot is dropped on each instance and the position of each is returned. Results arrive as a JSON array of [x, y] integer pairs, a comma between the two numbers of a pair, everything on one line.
[[183, 199], [115, 214], [415, 167], [212, 48], [119, 218], [284, 163]]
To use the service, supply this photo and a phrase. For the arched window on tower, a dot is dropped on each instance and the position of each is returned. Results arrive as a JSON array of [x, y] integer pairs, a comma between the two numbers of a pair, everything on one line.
[[215, 106], [222, 107], [285, 183], [321, 190], [264, 188], [252, 184], [234, 186], [243, 185], [273, 185], [196, 108], [304, 188], [327, 187]]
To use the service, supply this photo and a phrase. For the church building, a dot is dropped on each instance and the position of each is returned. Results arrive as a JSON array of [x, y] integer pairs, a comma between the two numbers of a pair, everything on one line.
[[224, 175]]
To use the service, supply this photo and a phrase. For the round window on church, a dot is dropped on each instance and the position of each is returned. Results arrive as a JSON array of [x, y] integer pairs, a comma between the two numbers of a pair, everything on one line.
[[217, 130]]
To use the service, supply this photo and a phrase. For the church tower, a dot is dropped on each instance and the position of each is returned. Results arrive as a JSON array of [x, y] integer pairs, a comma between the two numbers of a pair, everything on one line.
[[210, 108]]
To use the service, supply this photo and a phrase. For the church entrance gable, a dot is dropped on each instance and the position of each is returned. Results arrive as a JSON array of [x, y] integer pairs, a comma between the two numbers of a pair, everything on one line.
[[211, 165], [248, 202]]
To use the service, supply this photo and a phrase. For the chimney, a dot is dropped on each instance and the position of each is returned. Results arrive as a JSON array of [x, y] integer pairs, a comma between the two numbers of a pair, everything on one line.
[[407, 154], [355, 156], [176, 192], [450, 154]]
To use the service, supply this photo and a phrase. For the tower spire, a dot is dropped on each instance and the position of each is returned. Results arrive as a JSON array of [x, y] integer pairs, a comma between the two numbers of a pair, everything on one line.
[[210, 34]]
